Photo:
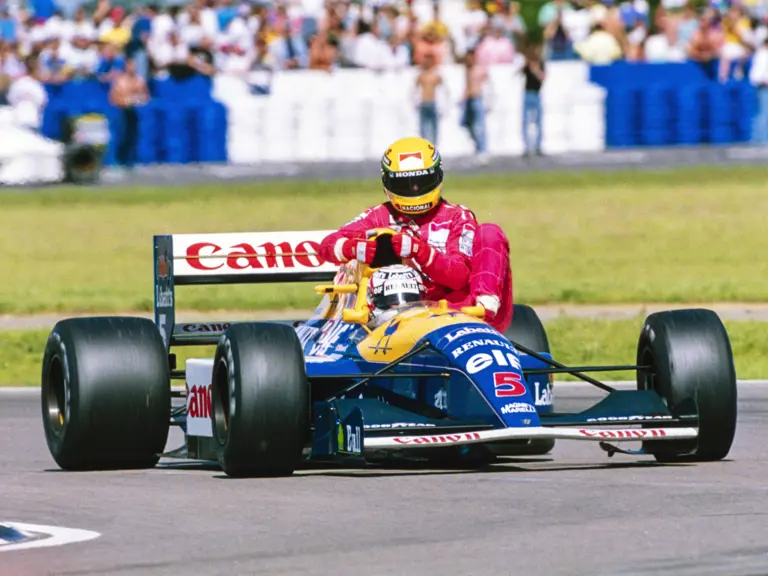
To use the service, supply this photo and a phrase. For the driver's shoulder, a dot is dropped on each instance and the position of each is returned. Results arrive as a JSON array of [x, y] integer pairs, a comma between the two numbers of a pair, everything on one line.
[[372, 212], [459, 212]]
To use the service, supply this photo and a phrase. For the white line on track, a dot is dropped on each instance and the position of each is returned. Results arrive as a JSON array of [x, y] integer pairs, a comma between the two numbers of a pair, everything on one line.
[[51, 536]]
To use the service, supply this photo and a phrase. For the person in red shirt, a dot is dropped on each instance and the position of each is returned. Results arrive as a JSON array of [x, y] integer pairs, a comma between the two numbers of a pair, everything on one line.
[[462, 261]]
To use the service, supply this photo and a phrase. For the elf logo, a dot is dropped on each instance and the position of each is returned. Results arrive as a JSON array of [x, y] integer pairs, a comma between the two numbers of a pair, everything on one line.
[[483, 360]]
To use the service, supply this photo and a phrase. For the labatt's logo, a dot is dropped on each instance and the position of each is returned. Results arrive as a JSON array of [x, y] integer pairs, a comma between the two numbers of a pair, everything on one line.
[[469, 330], [305, 254]]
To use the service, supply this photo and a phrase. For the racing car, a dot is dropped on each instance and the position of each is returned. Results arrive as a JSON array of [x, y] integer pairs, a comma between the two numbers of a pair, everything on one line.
[[430, 384]]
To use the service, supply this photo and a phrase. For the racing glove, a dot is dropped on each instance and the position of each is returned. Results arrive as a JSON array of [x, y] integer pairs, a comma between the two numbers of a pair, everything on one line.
[[355, 249], [491, 305], [408, 246]]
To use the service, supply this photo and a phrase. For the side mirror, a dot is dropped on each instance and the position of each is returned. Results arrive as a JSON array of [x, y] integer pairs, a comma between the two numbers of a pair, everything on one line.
[[476, 311]]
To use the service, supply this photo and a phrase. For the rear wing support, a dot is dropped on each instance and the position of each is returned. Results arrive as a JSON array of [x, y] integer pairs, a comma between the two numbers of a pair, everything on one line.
[[232, 258], [165, 311]]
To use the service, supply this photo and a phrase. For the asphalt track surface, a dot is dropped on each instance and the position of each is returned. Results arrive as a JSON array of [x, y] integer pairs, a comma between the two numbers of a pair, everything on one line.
[[576, 512]]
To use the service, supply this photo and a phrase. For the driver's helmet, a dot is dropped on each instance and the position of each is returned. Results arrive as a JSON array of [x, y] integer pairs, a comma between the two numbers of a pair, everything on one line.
[[389, 288], [412, 175]]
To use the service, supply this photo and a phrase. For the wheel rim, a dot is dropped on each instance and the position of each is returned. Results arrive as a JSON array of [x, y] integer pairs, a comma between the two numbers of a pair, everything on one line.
[[56, 397], [220, 401]]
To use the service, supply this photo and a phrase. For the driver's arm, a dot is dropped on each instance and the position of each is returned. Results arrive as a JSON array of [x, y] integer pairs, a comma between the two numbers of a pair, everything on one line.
[[349, 241], [450, 269]]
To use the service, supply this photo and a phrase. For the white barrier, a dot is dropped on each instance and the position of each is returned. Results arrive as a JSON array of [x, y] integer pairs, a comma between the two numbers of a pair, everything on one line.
[[353, 114]]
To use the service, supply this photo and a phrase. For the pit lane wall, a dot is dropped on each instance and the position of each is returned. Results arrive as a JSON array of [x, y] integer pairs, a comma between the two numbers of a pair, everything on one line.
[[353, 114]]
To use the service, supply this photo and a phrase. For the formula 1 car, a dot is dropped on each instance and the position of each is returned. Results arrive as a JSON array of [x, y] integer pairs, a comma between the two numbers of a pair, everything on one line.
[[431, 384]]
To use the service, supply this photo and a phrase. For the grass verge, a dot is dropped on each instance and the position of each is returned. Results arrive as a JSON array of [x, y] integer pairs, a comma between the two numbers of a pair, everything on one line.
[[695, 235], [573, 340]]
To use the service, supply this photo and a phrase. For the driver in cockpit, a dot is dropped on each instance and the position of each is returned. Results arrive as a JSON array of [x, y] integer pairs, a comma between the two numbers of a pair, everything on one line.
[[390, 288]]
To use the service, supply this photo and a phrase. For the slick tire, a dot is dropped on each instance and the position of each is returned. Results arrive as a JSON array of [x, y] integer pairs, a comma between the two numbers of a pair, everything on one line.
[[106, 394], [260, 400], [526, 329], [693, 371]]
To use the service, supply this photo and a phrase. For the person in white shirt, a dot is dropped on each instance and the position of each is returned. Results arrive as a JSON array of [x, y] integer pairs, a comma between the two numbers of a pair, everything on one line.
[[167, 52], [28, 98], [475, 19], [81, 56], [395, 54], [664, 46], [198, 14], [600, 47], [81, 26], [368, 46], [235, 45], [10, 64], [758, 77]]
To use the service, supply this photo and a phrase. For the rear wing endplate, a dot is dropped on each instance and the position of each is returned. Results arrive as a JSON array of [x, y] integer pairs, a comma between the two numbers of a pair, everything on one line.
[[232, 258]]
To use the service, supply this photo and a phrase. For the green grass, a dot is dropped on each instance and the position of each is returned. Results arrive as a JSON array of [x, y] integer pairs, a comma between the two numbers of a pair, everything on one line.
[[695, 235], [574, 341]]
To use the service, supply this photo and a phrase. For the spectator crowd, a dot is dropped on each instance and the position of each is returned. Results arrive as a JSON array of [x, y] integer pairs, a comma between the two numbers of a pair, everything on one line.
[[255, 38]]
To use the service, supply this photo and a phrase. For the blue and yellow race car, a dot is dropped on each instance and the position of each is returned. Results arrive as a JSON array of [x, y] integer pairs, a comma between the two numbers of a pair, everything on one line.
[[430, 384]]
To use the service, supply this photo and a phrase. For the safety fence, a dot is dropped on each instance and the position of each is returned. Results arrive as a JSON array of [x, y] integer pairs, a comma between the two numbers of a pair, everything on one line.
[[352, 114]]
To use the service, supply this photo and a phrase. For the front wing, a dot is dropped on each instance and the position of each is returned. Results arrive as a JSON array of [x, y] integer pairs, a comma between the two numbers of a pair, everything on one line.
[[538, 432]]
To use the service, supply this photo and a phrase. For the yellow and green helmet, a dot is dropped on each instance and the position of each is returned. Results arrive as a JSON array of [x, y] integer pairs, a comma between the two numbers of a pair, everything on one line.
[[412, 174]]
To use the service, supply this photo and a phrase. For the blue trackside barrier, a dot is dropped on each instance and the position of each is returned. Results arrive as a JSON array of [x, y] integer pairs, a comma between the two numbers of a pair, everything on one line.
[[181, 124], [673, 104]]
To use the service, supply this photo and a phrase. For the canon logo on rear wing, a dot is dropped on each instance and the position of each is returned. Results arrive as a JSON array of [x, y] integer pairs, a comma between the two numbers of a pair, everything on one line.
[[254, 254], [207, 256], [200, 328]]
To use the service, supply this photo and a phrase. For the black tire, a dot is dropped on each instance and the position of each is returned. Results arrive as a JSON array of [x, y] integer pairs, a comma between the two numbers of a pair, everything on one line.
[[106, 394], [260, 400], [526, 329], [693, 369]]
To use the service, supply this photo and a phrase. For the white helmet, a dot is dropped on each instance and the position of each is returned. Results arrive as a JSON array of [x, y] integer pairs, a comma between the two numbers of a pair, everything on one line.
[[389, 288]]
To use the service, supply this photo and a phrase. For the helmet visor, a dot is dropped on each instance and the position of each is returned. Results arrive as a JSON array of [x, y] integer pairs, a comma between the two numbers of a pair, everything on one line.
[[386, 300], [414, 183]]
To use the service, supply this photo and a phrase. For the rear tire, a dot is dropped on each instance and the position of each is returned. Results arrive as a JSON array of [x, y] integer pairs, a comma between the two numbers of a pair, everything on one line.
[[526, 329], [693, 370], [106, 394], [260, 400]]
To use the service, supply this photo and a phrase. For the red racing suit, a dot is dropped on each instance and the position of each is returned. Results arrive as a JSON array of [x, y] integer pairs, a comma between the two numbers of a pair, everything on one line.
[[470, 259]]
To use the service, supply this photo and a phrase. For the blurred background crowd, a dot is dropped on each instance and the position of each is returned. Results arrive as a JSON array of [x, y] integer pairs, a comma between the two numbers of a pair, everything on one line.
[[68, 39], [129, 44]]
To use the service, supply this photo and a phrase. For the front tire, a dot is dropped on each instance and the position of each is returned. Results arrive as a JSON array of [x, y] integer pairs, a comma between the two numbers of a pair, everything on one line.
[[260, 400], [106, 394], [693, 370]]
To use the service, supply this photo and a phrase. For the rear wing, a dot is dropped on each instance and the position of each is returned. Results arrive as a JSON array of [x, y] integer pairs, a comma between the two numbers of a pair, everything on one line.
[[232, 258]]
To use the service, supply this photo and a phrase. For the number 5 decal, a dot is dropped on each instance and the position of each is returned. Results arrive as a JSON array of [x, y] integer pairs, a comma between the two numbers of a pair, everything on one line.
[[508, 384]]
